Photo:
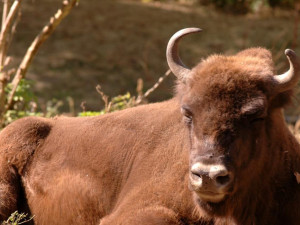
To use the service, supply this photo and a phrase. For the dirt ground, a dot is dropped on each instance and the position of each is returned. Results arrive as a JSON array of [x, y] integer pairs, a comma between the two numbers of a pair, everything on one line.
[[113, 43]]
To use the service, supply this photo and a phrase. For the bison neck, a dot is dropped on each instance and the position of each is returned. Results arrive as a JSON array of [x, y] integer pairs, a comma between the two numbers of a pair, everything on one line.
[[272, 191], [150, 158]]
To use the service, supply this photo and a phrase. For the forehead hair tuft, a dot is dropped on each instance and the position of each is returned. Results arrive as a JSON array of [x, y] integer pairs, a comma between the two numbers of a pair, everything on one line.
[[247, 69]]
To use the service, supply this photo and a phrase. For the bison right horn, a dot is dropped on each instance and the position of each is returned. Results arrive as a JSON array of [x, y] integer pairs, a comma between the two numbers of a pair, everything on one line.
[[174, 61], [290, 78]]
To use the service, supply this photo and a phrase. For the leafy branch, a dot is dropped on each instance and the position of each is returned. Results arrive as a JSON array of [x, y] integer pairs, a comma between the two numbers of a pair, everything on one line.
[[8, 26]]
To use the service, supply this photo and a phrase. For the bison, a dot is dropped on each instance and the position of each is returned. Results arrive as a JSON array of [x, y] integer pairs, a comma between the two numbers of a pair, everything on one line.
[[219, 152]]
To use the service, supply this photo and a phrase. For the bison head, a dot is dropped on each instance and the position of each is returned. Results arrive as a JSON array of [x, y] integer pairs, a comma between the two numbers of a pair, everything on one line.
[[231, 106]]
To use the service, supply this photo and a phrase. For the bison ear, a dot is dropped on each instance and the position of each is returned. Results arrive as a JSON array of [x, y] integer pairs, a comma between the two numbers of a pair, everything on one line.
[[261, 53]]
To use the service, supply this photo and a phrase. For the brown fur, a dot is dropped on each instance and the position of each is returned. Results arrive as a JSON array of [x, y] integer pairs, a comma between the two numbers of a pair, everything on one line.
[[132, 167]]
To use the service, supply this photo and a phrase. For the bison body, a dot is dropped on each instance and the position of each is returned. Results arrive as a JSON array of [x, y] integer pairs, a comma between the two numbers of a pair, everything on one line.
[[218, 153], [117, 172]]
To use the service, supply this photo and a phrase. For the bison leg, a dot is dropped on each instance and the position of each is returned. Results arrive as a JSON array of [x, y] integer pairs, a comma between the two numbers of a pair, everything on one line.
[[18, 142], [147, 216], [9, 190]]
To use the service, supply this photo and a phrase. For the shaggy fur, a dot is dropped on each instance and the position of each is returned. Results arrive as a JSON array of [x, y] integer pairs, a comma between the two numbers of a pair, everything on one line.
[[132, 167]]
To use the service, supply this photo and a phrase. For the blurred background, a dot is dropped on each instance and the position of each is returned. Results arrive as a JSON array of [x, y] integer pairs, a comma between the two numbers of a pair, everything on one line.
[[114, 43]]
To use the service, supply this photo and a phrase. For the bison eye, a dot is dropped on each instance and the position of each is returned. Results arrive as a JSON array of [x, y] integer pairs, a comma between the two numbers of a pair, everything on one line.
[[256, 120], [188, 115], [254, 111]]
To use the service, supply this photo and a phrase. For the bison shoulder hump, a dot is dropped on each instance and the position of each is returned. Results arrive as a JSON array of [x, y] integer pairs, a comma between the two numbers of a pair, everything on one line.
[[19, 140]]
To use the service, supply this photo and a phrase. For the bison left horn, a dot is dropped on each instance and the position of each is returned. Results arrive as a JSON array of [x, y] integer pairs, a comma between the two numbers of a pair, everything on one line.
[[289, 79], [174, 61]]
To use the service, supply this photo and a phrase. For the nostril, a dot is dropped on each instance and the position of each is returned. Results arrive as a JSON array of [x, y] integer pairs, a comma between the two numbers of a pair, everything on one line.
[[197, 171], [222, 180], [196, 175]]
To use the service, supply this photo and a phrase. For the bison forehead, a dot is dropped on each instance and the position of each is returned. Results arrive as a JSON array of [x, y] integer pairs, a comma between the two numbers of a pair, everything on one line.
[[249, 65], [231, 71], [219, 97], [229, 80]]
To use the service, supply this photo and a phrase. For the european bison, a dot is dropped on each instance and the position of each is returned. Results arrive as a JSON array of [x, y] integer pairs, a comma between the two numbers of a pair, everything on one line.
[[219, 152]]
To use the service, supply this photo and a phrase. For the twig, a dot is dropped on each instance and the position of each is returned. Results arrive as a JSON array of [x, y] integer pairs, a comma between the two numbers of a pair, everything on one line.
[[7, 39], [6, 28], [13, 31], [4, 14], [71, 105], [103, 96], [38, 41], [139, 87], [82, 105], [149, 91], [7, 21], [25, 221], [5, 75]]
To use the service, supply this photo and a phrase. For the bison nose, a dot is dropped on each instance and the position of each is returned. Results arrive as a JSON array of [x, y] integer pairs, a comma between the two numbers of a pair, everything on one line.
[[210, 176]]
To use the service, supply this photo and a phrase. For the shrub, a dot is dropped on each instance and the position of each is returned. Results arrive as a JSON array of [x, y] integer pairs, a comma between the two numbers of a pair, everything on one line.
[[17, 218]]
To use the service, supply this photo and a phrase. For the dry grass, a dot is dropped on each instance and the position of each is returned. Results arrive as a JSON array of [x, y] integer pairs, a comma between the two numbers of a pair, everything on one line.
[[116, 42]]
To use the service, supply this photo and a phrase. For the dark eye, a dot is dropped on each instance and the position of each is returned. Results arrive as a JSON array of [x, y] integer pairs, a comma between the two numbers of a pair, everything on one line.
[[256, 120], [188, 115], [255, 110]]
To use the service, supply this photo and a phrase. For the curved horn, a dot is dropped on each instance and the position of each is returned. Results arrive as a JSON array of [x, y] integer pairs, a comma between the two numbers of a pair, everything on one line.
[[174, 61], [290, 78]]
